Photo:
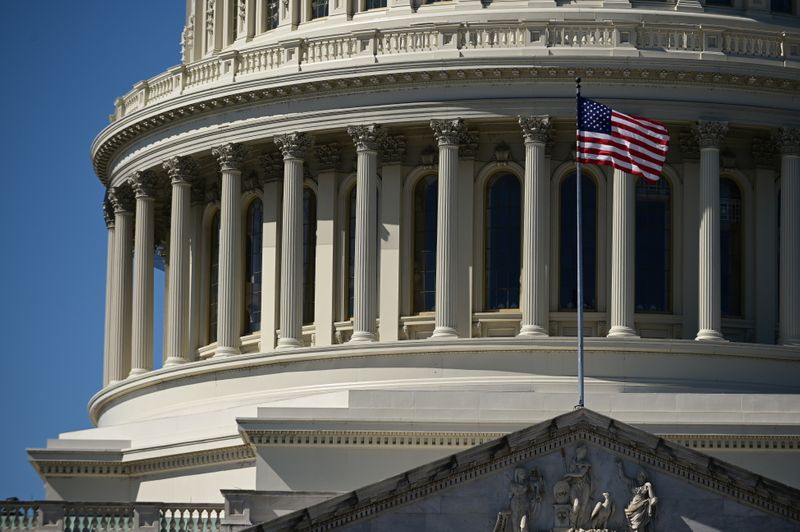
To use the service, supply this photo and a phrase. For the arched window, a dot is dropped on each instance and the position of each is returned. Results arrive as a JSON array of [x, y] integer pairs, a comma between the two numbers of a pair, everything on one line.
[[351, 250], [309, 252], [653, 246], [731, 247], [503, 242], [425, 204], [213, 287], [252, 289], [567, 288]]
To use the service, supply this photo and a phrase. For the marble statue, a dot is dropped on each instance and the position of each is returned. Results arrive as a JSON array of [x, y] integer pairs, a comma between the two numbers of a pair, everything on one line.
[[525, 501], [640, 511], [602, 512], [580, 487]]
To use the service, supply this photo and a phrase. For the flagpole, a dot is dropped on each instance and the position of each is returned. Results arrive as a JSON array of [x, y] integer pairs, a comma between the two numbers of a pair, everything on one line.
[[579, 221]]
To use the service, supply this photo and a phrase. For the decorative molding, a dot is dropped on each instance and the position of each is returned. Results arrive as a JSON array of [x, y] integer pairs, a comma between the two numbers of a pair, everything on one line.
[[56, 468], [144, 183], [536, 128], [393, 149], [293, 145], [788, 139], [122, 198], [710, 134], [328, 156], [449, 132], [362, 438], [272, 165], [366, 138], [180, 170], [469, 145]]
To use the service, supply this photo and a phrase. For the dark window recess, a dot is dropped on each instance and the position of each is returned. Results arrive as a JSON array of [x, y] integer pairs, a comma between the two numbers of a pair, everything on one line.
[[503, 242]]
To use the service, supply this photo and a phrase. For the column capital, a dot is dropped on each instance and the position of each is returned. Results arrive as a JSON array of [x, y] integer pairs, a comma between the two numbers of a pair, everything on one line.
[[180, 170], [448, 132], [122, 198], [366, 138], [393, 149], [108, 212], [788, 140], [143, 183], [293, 145], [710, 134], [272, 165], [230, 156], [328, 155], [536, 128], [469, 144]]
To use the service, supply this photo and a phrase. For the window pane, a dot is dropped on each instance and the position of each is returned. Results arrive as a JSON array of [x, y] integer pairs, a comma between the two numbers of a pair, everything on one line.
[[375, 4], [271, 13], [214, 279], [503, 239], [309, 253], [425, 204], [319, 8], [731, 247], [252, 290], [653, 249], [568, 292], [781, 6]]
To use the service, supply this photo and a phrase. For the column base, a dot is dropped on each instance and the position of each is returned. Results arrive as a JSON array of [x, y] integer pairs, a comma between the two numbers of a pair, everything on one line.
[[444, 333], [288, 343], [137, 371], [709, 335], [173, 361], [531, 331], [362, 337], [225, 352], [620, 331]]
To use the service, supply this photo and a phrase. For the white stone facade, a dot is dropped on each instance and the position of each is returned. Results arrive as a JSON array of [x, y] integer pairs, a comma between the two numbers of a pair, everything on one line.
[[333, 122]]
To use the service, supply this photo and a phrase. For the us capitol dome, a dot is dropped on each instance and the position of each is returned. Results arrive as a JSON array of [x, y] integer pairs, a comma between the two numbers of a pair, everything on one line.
[[366, 215]]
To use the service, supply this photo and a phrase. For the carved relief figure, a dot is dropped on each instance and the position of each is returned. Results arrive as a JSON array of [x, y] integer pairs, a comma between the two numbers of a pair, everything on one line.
[[640, 512], [580, 486], [536, 487], [518, 498], [602, 513]]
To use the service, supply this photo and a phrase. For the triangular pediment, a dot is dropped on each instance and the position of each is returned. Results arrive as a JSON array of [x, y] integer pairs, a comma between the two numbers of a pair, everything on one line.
[[580, 470]]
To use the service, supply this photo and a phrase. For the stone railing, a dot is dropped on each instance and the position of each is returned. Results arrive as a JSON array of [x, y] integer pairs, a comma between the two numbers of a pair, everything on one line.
[[387, 45], [54, 516]]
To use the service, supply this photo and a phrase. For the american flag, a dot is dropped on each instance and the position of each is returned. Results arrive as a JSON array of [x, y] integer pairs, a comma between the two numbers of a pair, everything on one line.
[[630, 143]]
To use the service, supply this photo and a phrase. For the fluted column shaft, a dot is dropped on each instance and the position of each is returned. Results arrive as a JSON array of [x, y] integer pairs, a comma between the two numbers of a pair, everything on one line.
[[120, 345], [365, 278], [535, 242], [709, 302], [293, 147], [229, 299], [623, 233], [143, 184], [449, 134], [108, 214], [789, 333], [195, 268]]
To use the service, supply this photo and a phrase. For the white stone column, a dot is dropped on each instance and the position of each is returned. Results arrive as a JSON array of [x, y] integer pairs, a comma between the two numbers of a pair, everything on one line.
[[196, 253], [448, 134], [181, 171], [710, 136], [144, 187], [108, 215], [272, 164], [623, 234], [789, 319], [120, 345], [293, 146], [393, 152], [366, 256], [230, 234], [535, 239], [328, 158]]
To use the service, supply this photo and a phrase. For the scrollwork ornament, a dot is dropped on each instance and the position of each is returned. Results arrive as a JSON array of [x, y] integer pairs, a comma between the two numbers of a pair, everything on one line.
[[789, 140], [272, 165], [448, 132], [230, 156], [393, 149], [143, 183], [710, 134], [328, 155], [293, 145], [366, 138], [180, 169], [122, 198], [536, 128]]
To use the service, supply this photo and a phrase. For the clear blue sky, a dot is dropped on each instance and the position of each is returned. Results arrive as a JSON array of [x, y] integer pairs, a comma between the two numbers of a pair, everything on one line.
[[64, 64]]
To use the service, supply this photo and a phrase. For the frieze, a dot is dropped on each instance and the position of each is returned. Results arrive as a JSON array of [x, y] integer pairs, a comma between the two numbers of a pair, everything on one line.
[[477, 75]]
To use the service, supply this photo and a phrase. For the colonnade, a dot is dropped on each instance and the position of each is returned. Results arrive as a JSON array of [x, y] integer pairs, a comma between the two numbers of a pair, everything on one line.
[[129, 295]]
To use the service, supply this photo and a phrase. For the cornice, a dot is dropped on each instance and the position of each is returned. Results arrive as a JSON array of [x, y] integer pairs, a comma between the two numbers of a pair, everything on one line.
[[369, 438], [92, 468], [296, 87]]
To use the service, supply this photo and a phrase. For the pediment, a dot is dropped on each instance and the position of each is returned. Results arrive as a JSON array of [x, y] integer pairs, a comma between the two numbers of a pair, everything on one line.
[[577, 471]]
